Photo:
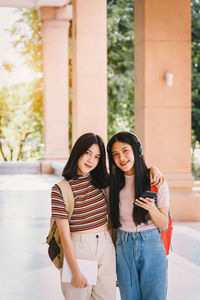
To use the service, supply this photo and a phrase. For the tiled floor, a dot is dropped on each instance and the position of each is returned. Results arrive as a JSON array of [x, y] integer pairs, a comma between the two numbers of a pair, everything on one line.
[[26, 272]]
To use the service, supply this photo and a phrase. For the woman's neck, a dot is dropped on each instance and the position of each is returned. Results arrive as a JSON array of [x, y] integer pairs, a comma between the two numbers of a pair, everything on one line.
[[130, 172]]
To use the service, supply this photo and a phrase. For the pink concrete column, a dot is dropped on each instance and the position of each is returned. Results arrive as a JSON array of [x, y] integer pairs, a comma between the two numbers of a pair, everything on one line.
[[162, 112], [55, 24], [89, 68]]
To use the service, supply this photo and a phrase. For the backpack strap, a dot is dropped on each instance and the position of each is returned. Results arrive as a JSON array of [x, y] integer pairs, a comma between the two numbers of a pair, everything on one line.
[[154, 189], [68, 196], [55, 249]]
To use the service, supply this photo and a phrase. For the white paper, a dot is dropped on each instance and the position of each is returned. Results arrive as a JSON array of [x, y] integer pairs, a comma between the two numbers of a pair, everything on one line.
[[87, 267]]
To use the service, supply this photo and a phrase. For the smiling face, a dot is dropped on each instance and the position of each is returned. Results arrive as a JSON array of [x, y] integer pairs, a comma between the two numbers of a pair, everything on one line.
[[89, 160], [123, 157]]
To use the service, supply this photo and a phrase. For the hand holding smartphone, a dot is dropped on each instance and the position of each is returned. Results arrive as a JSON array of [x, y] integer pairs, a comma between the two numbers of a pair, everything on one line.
[[149, 194]]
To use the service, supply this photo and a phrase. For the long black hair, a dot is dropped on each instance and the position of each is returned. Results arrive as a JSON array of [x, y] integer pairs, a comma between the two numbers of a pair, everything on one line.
[[99, 175], [117, 178]]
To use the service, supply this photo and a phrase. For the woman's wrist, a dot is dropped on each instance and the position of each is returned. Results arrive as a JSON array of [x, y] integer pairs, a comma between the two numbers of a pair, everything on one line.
[[75, 271]]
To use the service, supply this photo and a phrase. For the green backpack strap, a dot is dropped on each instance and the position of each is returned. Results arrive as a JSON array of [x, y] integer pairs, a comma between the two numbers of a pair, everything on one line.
[[67, 196]]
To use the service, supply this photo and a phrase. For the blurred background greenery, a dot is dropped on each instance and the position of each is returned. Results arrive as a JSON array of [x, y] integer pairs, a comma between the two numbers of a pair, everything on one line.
[[21, 105]]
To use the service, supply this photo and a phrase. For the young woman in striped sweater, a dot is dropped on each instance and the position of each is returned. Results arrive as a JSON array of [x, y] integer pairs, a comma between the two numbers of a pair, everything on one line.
[[85, 235]]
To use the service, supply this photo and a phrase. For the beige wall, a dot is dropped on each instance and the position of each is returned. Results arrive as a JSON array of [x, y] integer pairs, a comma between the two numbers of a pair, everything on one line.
[[163, 113], [55, 24]]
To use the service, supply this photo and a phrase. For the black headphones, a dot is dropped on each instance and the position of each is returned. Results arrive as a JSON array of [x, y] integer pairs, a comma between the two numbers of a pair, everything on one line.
[[140, 148], [136, 139]]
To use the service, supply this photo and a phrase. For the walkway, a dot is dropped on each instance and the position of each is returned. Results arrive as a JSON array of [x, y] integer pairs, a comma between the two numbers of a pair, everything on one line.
[[25, 269]]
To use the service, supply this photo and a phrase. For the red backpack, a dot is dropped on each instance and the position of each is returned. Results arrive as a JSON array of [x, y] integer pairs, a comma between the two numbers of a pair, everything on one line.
[[166, 235]]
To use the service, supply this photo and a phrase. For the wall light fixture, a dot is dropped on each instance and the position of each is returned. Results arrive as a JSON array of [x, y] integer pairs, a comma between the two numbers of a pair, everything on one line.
[[169, 77]]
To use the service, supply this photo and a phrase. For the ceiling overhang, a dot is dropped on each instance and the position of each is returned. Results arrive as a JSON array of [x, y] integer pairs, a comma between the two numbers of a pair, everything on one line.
[[35, 4]]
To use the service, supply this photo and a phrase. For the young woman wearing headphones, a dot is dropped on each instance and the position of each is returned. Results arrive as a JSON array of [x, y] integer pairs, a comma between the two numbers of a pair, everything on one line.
[[140, 256]]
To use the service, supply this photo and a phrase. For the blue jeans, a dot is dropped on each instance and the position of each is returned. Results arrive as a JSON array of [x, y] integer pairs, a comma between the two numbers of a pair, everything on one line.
[[141, 265]]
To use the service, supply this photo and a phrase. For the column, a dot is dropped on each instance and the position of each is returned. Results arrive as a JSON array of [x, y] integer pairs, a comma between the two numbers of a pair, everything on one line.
[[55, 24], [89, 106], [162, 112]]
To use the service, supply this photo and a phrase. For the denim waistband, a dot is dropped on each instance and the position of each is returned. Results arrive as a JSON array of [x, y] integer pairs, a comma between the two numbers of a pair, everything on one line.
[[136, 235]]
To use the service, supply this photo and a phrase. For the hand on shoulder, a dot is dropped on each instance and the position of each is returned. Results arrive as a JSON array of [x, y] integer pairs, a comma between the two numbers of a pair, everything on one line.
[[156, 177]]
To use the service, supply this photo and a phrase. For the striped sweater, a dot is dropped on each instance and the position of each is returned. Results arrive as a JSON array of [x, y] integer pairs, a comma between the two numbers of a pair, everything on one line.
[[90, 209]]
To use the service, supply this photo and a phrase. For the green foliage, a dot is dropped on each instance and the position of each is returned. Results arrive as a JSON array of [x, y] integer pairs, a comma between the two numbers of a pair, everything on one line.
[[194, 159], [70, 85], [27, 37], [27, 40], [120, 66], [21, 106], [21, 126], [195, 9]]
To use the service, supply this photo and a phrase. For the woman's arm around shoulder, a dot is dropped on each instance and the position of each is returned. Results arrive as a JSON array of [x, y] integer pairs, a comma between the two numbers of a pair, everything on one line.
[[156, 177]]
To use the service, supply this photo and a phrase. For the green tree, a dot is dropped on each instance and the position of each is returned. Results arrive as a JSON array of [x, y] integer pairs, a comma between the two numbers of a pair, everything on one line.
[[27, 38], [120, 65], [3, 115], [195, 9], [21, 122]]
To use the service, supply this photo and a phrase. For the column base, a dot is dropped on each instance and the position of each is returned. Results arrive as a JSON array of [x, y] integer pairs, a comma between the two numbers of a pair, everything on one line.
[[46, 167], [180, 180], [50, 166], [184, 197], [185, 204]]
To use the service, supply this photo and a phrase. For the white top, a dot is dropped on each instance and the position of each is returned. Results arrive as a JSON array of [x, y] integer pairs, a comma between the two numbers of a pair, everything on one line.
[[127, 198]]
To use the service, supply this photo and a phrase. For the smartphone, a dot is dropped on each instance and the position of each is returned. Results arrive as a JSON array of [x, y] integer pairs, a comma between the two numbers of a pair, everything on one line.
[[149, 194]]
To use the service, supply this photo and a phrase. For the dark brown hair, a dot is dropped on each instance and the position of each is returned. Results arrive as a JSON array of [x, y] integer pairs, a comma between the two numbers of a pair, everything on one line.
[[117, 178], [99, 175]]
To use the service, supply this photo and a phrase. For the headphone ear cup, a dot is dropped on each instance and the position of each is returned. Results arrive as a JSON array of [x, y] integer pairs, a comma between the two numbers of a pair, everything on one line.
[[140, 148]]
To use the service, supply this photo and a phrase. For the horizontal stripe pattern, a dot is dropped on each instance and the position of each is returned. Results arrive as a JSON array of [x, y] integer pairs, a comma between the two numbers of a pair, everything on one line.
[[58, 208], [90, 209]]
